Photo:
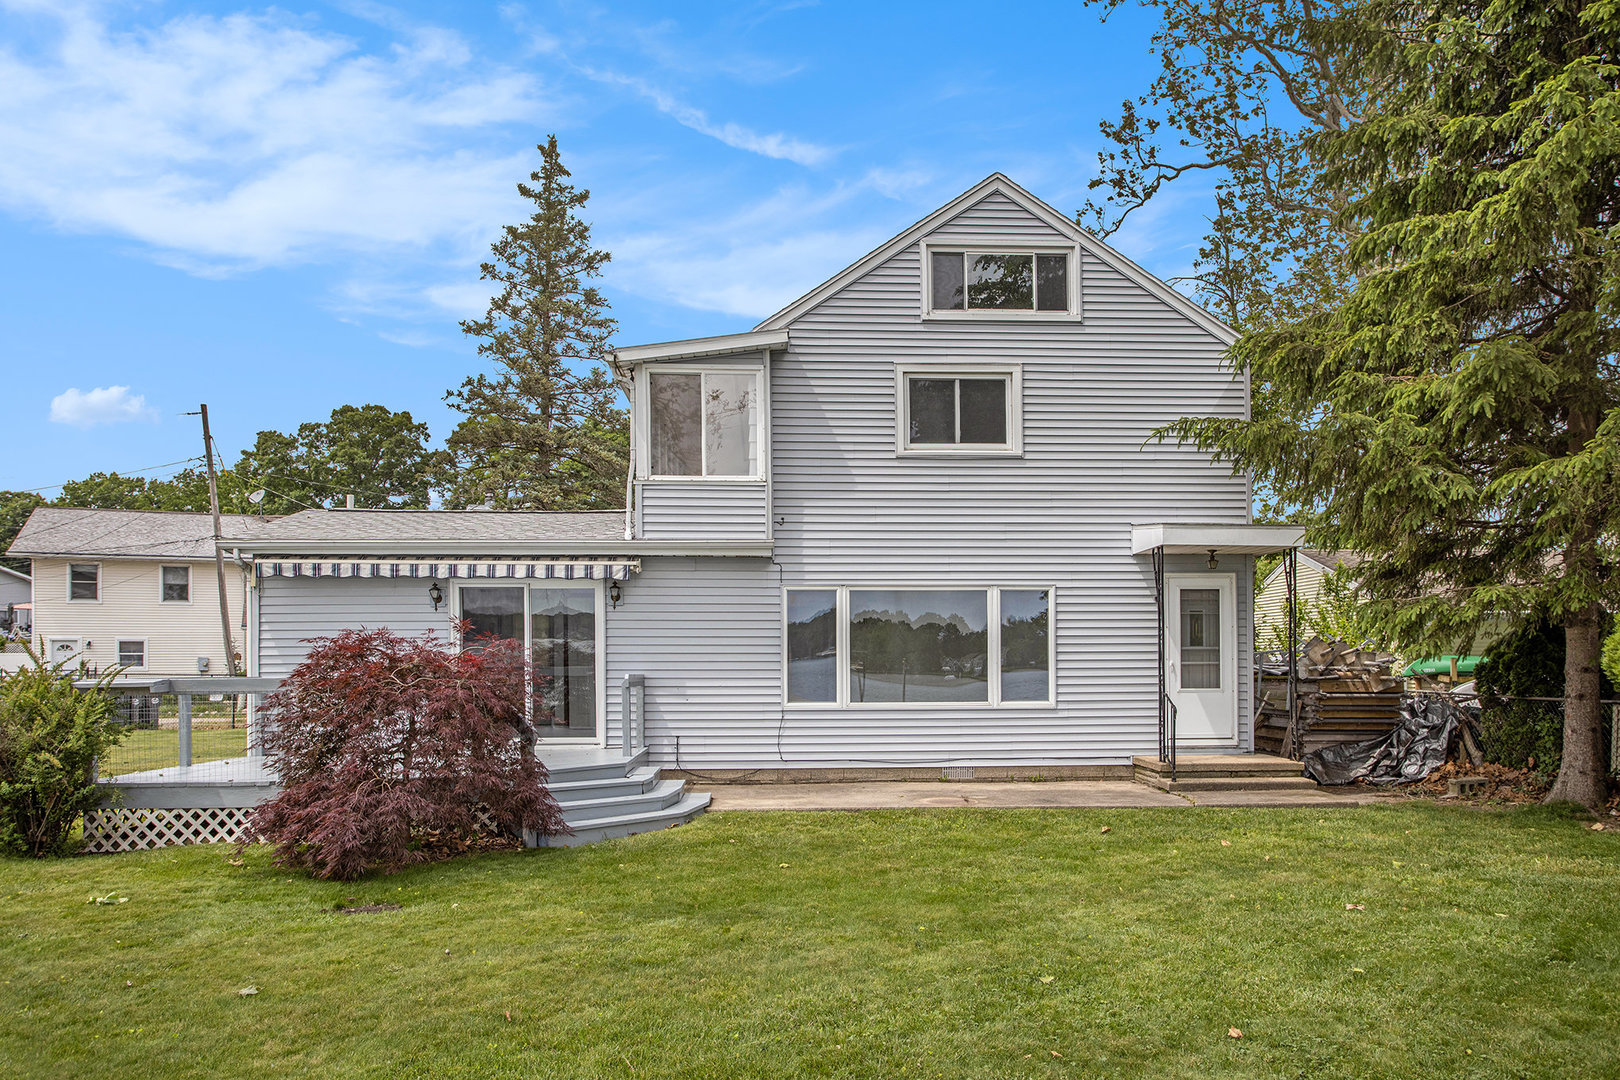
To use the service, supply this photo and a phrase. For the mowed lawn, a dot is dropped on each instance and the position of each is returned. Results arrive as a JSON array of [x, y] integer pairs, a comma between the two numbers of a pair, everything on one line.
[[159, 748], [960, 943]]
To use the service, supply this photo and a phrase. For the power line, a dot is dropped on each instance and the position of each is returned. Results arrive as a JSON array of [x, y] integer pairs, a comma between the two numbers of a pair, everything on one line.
[[113, 472]]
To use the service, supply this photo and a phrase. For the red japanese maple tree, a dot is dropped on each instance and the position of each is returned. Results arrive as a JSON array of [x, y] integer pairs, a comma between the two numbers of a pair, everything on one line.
[[376, 736]]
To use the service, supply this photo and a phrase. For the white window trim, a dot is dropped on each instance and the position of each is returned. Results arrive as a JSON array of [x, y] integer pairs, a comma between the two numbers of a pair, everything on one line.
[[1013, 373], [644, 423], [146, 653], [100, 582], [191, 580], [929, 313], [600, 742], [993, 665]]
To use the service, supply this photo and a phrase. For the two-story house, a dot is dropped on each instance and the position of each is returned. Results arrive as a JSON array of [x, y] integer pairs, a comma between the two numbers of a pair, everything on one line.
[[135, 589], [915, 521]]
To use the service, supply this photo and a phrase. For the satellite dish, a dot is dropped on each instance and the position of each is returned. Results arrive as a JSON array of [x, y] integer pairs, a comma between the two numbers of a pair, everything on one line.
[[256, 497]]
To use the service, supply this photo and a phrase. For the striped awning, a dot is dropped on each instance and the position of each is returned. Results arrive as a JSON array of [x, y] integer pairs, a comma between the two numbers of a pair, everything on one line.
[[565, 569]]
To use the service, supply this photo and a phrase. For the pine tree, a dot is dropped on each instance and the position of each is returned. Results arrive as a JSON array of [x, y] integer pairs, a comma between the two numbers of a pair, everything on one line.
[[545, 432], [1456, 417]]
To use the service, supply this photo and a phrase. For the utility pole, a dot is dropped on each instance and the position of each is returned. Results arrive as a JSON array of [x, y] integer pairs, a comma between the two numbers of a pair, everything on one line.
[[219, 555]]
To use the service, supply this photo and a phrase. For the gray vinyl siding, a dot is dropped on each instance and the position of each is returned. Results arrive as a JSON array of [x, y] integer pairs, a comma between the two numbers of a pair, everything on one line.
[[853, 513], [294, 610], [701, 510]]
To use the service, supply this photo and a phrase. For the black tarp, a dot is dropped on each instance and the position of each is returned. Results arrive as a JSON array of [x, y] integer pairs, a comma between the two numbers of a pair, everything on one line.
[[1413, 749]]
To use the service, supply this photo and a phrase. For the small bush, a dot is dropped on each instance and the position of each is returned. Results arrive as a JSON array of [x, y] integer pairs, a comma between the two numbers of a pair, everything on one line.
[[378, 736], [50, 737]]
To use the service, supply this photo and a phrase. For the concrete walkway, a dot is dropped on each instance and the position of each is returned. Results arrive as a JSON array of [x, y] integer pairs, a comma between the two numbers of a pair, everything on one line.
[[1102, 794]]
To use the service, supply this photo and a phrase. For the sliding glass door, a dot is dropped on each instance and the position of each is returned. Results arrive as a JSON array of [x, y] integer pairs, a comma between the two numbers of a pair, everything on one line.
[[560, 628]]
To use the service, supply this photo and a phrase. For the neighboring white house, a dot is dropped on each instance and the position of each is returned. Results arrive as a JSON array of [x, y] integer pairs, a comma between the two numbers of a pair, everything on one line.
[[16, 593], [132, 588], [917, 520], [1271, 602]]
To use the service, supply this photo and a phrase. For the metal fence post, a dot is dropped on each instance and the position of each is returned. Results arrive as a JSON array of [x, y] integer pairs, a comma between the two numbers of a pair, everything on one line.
[[184, 702]]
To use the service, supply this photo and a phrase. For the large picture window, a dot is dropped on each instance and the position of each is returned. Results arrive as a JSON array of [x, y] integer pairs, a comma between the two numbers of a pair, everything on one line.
[[703, 423], [994, 282], [918, 646]]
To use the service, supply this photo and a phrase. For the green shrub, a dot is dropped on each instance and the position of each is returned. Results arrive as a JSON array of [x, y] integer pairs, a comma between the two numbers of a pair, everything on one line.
[[50, 737], [1611, 657]]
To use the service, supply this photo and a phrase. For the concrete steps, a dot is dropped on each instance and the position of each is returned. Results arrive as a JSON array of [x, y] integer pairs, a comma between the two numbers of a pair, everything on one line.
[[604, 796], [1223, 772]]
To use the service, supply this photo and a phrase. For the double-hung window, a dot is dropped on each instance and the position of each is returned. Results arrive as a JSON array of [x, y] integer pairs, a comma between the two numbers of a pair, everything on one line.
[[175, 584], [918, 646], [946, 409], [132, 652], [703, 424], [84, 581], [964, 282]]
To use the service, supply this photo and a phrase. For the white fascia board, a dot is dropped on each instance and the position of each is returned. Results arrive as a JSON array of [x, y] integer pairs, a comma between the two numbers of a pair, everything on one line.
[[363, 550], [695, 348], [18, 574], [1178, 538], [997, 183]]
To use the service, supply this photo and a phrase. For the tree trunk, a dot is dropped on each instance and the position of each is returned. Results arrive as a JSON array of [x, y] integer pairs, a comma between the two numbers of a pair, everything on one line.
[[1582, 770]]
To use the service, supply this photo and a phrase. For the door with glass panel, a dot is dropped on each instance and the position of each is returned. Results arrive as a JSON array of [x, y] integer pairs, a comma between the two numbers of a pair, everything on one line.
[[559, 625], [1200, 656]]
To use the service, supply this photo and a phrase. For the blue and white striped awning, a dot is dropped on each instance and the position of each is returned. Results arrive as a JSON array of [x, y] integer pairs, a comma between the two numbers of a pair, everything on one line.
[[446, 569]]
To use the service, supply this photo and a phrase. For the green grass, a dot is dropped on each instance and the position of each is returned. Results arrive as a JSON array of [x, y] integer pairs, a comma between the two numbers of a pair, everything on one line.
[[157, 748], [967, 943]]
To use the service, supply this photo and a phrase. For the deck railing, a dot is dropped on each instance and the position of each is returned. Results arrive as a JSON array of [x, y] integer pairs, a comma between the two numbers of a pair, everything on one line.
[[633, 713], [182, 721]]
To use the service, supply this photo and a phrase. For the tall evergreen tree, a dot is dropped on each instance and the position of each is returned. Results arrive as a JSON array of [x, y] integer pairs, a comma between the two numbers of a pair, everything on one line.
[[545, 432], [1457, 416]]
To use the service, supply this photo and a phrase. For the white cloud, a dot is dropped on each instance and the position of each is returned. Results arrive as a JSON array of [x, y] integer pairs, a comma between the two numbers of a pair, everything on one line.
[[251, 140], [103, 405], [774, 145]]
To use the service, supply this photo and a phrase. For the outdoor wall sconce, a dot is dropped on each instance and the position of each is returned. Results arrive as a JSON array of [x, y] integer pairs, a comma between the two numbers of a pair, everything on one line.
[[1214, 563], [436, 595], [614, 593]]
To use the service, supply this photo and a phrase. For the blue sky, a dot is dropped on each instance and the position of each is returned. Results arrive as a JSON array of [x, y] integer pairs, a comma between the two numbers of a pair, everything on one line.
[[280, 210]]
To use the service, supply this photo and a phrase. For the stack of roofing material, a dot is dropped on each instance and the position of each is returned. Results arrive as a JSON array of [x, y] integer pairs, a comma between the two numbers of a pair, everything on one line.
[[1345, 695]]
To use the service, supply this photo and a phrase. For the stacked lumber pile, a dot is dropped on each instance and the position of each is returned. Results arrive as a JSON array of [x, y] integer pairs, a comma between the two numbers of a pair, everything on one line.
[[1345, 695]]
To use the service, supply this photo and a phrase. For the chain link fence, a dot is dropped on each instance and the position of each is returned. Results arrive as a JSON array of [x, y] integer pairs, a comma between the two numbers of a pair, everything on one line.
[[1528, 732]]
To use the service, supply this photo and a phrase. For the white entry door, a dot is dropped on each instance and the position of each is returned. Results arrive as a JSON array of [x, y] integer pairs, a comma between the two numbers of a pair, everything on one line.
[[1200, 656], [63, 650]]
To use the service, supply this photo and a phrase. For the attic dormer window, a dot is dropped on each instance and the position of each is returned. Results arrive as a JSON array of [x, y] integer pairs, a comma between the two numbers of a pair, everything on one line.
[[1002, 282]]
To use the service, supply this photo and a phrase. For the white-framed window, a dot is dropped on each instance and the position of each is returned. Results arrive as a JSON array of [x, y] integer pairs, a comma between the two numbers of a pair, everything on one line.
[[132, 652], [959, 410], [968, 282], [174, 584], [84, 582], [704, 423], [867, 647]]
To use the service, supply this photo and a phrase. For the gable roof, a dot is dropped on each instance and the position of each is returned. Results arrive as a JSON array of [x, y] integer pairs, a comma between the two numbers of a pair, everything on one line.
[[127, 534], [998, 184], [1326, 561]]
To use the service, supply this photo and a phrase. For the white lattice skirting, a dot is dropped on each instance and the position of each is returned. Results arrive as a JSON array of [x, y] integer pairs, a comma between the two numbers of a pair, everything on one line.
[[107, 831]]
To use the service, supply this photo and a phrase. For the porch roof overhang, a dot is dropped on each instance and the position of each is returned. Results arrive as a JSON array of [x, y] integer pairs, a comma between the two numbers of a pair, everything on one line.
[[696, 348], [1194, 538]]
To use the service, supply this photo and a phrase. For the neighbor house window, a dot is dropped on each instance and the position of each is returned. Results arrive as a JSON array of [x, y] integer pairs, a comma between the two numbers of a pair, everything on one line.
[[950, 410], [703, 423], [999, 281], [176, 584], [84, 581], [918, 646], [132, 653]]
